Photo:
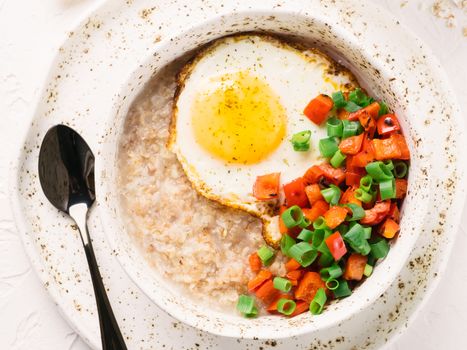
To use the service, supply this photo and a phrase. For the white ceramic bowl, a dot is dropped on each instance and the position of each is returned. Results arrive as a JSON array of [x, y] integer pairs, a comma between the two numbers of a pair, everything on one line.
[[389, 66]]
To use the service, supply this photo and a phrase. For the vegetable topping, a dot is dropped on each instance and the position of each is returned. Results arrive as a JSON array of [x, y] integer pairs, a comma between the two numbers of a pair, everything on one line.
[[336, 220]]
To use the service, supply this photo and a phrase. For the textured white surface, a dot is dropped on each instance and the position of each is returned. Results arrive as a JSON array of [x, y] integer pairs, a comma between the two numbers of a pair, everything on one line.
[[30, 33]]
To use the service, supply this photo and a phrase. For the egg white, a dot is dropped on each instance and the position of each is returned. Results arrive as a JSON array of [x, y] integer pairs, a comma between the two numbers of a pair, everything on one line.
[[294, 75]]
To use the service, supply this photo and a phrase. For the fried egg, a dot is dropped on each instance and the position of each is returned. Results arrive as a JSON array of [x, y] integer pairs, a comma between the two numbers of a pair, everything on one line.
[[239, 102]]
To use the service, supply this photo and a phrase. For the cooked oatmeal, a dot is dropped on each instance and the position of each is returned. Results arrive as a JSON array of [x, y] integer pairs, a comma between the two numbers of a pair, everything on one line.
[[197, 244]]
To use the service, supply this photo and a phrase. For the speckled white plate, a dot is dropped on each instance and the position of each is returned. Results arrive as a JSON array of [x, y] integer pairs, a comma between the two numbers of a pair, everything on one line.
[[85, 89]]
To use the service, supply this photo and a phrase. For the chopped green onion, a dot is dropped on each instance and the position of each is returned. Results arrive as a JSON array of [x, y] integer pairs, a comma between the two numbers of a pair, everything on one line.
[[301, 141], [365, 248], [387, 189], [328, 146], [246, 304], [266, 255], [400, 169], [293, 216], [366, 182], [383, 108], [373, 192], [305, 235], [342, 290], [371, 260], [325, 259], [331, 194], [356, 239], [332, 284], [323, 247], [379, 171], [286, 306], [282, 284], [357, 212], [253, 313], [334, 127], [343, 229], [304, 223], [338, 99], [286, 243], [380, 249], [368, 270], [337, 159], [304, 253], [359, 97], [320, 223], [333, 271], [318, 238], [367, 232], [350, 128], [351, 224], [352, 107], [317, 304], [363, 196], [389, 164]]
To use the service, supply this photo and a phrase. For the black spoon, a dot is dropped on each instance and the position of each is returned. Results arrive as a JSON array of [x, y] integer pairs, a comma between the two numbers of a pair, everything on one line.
[[66, 173]]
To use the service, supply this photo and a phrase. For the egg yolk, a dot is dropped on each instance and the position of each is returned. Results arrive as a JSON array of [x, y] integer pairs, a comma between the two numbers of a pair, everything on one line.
[[238, 118]]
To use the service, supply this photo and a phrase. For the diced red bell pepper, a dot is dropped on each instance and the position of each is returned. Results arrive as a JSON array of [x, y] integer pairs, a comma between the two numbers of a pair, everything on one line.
[[376, 214], [318, 109], [353, 176], [394, 212], [393, 147], [366, 155], [301, 307], [318, 209], [400, 140], [308, 286], [368, 123], [292, 265], [335, 216], [351, 145], [295, 193], [372, 109], [259, 279], [294, 276], [267, 293], [389, 228], [349, 195], [342, 114], [386, 149], [335, 175], [336, 245], [316, 172], [313, 175], [313, 192], [401, 188], [255, 262], [266, 187], [354, 267], [387, 124]]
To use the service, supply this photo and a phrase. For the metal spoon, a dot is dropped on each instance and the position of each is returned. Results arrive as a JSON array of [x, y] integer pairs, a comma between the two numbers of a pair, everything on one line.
[[66, 173]]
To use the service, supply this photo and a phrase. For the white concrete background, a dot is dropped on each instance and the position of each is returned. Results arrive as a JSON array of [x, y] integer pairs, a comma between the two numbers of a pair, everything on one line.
[[30, 34]]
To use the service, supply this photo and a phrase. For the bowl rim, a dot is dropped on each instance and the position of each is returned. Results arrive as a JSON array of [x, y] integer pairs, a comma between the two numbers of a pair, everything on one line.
[[207, 324]]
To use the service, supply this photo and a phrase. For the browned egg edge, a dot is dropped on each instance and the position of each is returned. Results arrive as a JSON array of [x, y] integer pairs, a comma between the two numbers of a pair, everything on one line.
[[270, 207]]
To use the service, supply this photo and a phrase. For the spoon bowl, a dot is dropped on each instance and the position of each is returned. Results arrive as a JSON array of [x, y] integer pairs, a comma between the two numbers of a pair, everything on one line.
[[66, 174], [66, 168]]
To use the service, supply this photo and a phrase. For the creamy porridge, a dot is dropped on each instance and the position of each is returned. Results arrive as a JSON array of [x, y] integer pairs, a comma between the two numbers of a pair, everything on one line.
[[197, 244]]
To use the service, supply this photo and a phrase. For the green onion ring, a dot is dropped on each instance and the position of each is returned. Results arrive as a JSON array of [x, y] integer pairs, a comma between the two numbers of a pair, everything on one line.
[[317, 304]]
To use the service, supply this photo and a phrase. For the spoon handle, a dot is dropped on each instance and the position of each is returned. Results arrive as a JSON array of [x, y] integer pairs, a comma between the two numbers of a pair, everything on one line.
[[111, 336]]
